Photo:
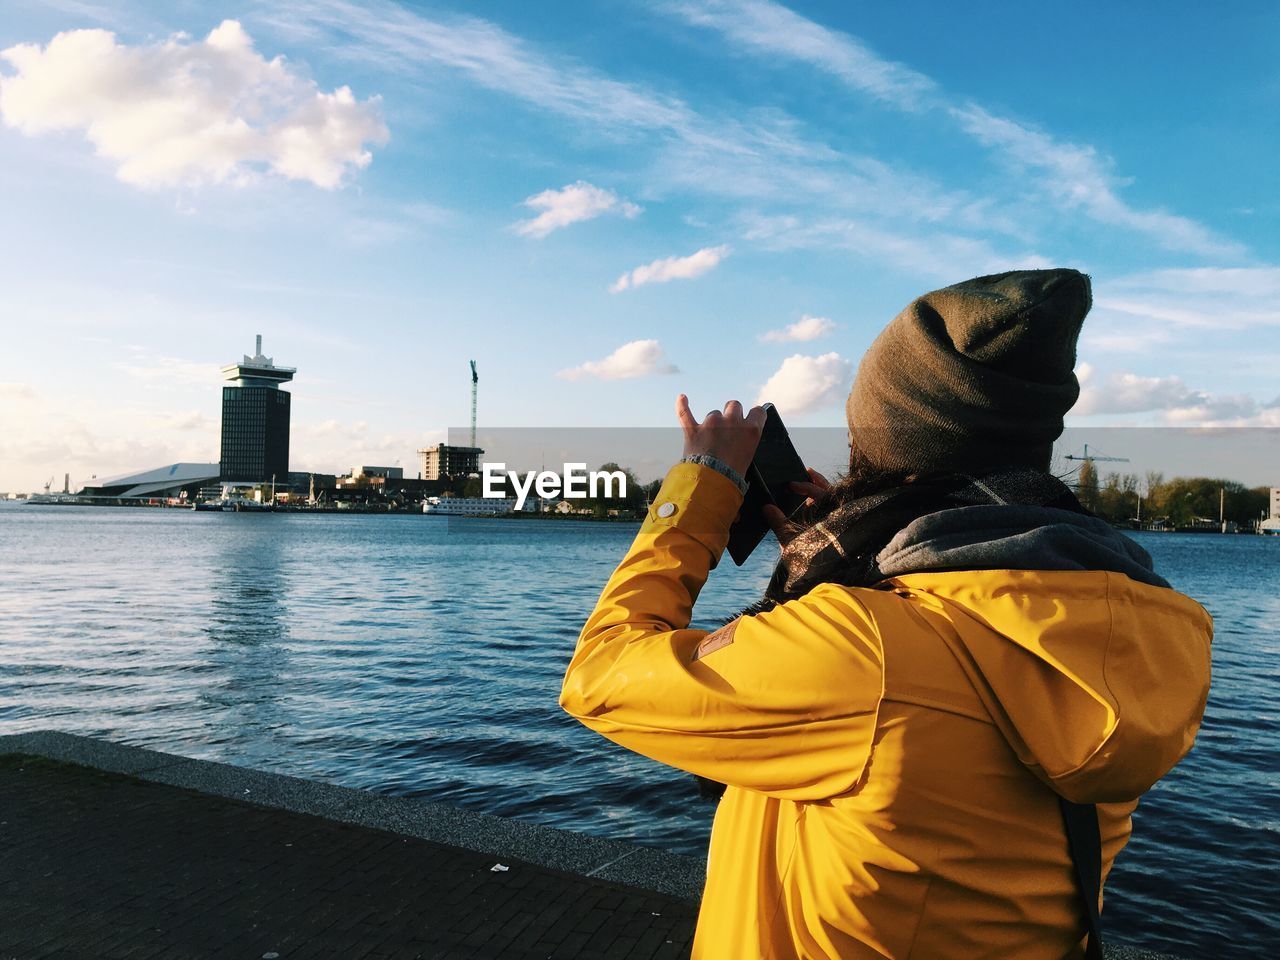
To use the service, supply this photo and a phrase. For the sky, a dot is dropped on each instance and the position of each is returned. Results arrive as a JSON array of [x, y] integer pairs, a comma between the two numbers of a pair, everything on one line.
[[605, 204]]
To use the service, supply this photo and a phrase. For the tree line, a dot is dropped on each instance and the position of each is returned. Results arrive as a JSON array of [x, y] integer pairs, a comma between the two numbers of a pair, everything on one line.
[[1180, 500]]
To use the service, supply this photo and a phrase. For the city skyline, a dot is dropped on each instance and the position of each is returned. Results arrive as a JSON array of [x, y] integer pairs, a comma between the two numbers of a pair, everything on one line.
[[605, 206]]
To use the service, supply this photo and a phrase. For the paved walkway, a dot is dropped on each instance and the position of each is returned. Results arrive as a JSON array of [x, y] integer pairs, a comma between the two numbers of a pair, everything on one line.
[[101, 865]]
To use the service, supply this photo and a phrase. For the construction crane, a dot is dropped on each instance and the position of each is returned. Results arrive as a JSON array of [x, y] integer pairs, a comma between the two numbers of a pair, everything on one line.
[[475, 381], [1096, 459]]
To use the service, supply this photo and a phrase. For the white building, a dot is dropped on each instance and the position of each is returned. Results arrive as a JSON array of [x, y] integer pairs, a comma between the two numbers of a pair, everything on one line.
[[1272, 523], [171, 480]]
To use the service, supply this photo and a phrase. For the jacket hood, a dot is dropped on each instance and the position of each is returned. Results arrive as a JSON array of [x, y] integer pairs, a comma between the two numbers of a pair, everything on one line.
[[1095, 671]]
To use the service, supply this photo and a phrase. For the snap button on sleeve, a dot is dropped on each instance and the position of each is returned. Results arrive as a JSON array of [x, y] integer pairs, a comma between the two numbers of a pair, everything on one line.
[[666, 509]]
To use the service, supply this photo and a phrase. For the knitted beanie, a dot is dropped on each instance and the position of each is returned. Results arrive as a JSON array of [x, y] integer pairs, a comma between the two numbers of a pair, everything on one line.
[[972, 377]]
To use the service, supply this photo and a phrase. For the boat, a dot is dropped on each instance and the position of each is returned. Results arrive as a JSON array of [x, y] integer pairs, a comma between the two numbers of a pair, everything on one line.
[[471, 506]]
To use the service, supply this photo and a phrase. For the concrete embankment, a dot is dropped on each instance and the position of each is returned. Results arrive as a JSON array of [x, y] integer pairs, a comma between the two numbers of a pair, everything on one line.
[[117, 851]]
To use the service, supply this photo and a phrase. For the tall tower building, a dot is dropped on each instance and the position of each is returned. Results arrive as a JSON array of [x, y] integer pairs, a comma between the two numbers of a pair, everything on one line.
[[255, 420]]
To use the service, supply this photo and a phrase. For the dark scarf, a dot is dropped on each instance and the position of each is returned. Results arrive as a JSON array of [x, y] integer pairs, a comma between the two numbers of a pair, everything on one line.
[[843, 545]]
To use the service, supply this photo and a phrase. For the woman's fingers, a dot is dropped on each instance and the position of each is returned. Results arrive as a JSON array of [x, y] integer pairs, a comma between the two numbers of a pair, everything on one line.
[[813, 491], [687, 421], [818, 479], [777, 521], [808, 489], [726, 435]]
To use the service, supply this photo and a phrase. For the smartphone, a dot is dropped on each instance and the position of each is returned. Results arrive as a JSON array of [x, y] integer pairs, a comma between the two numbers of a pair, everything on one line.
[[769, 477]]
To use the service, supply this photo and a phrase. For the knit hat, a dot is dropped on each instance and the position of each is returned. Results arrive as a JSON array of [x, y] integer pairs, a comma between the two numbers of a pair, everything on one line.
[[972, 377]]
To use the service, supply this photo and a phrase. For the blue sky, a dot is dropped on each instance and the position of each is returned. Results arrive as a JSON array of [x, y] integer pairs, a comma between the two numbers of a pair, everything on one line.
[[605, 204]]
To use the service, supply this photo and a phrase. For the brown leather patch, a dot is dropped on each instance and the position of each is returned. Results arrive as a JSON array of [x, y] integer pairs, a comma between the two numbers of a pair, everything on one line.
[[716, 641]]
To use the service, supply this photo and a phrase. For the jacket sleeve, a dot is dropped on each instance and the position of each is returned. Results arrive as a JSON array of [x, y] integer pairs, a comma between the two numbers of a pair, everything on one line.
[[782, 703]]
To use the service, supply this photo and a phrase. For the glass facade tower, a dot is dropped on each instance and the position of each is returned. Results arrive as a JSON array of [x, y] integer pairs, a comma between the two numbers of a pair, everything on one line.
[[255, 421]]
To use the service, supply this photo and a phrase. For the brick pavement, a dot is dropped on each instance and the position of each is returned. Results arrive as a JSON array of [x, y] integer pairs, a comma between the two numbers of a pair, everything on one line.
[[99, 865]]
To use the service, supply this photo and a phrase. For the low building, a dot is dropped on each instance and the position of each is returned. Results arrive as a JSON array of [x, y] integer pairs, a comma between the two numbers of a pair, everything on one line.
[[1271, 525], [174, 480], [387, 473]]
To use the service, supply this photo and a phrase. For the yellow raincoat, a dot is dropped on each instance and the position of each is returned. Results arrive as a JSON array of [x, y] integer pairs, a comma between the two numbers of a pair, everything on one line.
[[893, 754]]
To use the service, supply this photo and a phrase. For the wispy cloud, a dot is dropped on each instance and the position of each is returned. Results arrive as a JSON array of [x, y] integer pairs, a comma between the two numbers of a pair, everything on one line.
[[170, 370], [572, 204], [186, 112], [185, 422], [757, 155], [804, 329], [639, 358], [332, 444], [1195, 299], [772, 29], [17, 391], [391, 36], [805, 383], [1075, 177], [672, 268], [1256, 282], [938, 253]]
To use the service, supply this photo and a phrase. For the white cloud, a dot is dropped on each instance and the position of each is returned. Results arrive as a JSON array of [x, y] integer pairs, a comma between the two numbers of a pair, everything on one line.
[[805, 383], [572, 204], [186, 112], [1225, 411], [639, 358], [804, 329], [1130, 393], [672, 268], [1174, 403]]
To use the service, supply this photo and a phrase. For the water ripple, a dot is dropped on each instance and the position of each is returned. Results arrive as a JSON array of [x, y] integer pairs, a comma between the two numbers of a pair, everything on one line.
[[423, 659]]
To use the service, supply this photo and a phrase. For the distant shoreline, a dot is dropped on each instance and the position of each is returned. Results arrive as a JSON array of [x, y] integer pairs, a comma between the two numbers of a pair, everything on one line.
[[330, 510]]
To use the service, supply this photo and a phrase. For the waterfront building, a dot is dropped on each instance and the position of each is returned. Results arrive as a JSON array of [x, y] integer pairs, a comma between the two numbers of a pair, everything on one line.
[[1271, 525], [387, 473], [255, 420], [444, 460], [182, 480]]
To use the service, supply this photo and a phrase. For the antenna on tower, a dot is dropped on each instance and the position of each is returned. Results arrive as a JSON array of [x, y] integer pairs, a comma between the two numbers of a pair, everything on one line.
[[475, 380]]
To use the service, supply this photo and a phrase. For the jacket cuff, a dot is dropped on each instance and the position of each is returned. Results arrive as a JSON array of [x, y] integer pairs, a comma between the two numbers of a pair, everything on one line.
[[699, 501]]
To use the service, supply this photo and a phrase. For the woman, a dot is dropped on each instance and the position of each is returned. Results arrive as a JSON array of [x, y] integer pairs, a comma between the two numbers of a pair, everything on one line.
[[950, 657]]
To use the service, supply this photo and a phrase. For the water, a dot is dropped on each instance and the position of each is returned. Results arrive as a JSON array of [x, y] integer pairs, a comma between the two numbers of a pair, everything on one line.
[[421, 657]]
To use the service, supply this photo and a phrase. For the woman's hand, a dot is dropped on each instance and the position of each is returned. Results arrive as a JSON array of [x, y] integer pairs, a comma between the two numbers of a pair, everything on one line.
[[816, 489], [730, 437]]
